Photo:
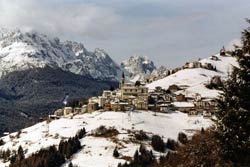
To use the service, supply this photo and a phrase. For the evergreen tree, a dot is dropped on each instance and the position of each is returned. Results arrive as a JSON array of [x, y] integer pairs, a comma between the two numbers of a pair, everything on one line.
[[158, 143], [70, 164], [136, 156], [182, 137], [233, 122], [20, 153], [116, 153], [1, 142]]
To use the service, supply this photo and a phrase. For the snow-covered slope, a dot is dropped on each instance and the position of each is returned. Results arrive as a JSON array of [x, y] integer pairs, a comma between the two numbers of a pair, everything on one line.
[[98, 151], [22, 51], [195, 78], [137, 68]]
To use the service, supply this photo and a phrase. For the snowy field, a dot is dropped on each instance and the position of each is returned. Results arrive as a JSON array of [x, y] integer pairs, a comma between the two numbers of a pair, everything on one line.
[[98, 151]]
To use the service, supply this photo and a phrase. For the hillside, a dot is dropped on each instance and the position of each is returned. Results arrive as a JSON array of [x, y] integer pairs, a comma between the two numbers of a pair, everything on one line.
[[98, 151], [36, 71], [193, 80], [27, 95]]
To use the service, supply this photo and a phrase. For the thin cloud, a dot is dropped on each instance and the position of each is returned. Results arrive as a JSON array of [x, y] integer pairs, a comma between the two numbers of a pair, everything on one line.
[[169, 32], [78, 19]]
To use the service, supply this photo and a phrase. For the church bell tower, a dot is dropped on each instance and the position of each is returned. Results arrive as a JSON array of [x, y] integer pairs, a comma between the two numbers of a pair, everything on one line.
[[122, 81]]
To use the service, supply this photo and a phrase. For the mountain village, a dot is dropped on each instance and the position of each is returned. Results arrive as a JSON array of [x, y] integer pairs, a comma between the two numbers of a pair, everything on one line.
[[137, 96]]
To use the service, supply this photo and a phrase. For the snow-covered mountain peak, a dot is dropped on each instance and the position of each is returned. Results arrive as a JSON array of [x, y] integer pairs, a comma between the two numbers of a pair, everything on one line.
[[77, 48], [137, 67], [21, 51], [139, 59]]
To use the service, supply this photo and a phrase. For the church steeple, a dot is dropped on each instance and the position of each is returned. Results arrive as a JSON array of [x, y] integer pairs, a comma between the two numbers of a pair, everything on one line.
[[122, 82], [123, 75]]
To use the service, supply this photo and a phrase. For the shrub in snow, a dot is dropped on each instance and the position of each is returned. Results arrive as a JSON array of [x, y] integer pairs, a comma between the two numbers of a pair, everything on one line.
[[56, 136], [172, 144], [18, 134], [182, 137], [103, 131], [1, 142], [81, 133], [157, 143], [141, 135]]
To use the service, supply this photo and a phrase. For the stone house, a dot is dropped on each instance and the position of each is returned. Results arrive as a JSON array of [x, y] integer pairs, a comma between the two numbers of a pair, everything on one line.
[[58, 112], [77, 110], [67, 110], [180, 97], [197, 64], [92, 107], [120, 106], [183, 106]]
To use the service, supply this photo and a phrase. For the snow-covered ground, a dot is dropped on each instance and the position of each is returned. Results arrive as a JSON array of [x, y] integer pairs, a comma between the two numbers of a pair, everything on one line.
[[98, 151], [194, 79]]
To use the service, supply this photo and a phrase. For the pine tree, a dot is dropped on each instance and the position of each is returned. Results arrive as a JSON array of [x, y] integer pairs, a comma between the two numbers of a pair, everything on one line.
[[70, 164], [233, 122], [136, 156], [116, 153], [20, 153]]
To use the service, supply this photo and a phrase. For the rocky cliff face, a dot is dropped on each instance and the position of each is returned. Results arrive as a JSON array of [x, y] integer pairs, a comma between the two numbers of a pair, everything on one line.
[[137, 68]]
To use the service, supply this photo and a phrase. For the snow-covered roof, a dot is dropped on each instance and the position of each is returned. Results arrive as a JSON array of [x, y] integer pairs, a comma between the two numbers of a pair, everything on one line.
[[183, 104]]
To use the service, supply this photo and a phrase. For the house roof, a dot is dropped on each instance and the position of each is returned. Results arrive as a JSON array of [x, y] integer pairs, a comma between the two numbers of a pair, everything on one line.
[[183, 104]]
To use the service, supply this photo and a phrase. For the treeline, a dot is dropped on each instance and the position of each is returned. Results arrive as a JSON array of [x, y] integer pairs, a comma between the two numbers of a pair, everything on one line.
[[200, 150], [145, 158], [142, 158], [49, 157], [5, 155]]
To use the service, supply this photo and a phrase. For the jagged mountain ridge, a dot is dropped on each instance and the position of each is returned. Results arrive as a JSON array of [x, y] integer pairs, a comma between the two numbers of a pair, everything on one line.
[[137, 68], [22, 51]]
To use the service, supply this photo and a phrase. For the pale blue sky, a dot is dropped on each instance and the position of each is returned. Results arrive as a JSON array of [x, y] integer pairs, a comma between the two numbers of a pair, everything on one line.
[[168, 32]]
